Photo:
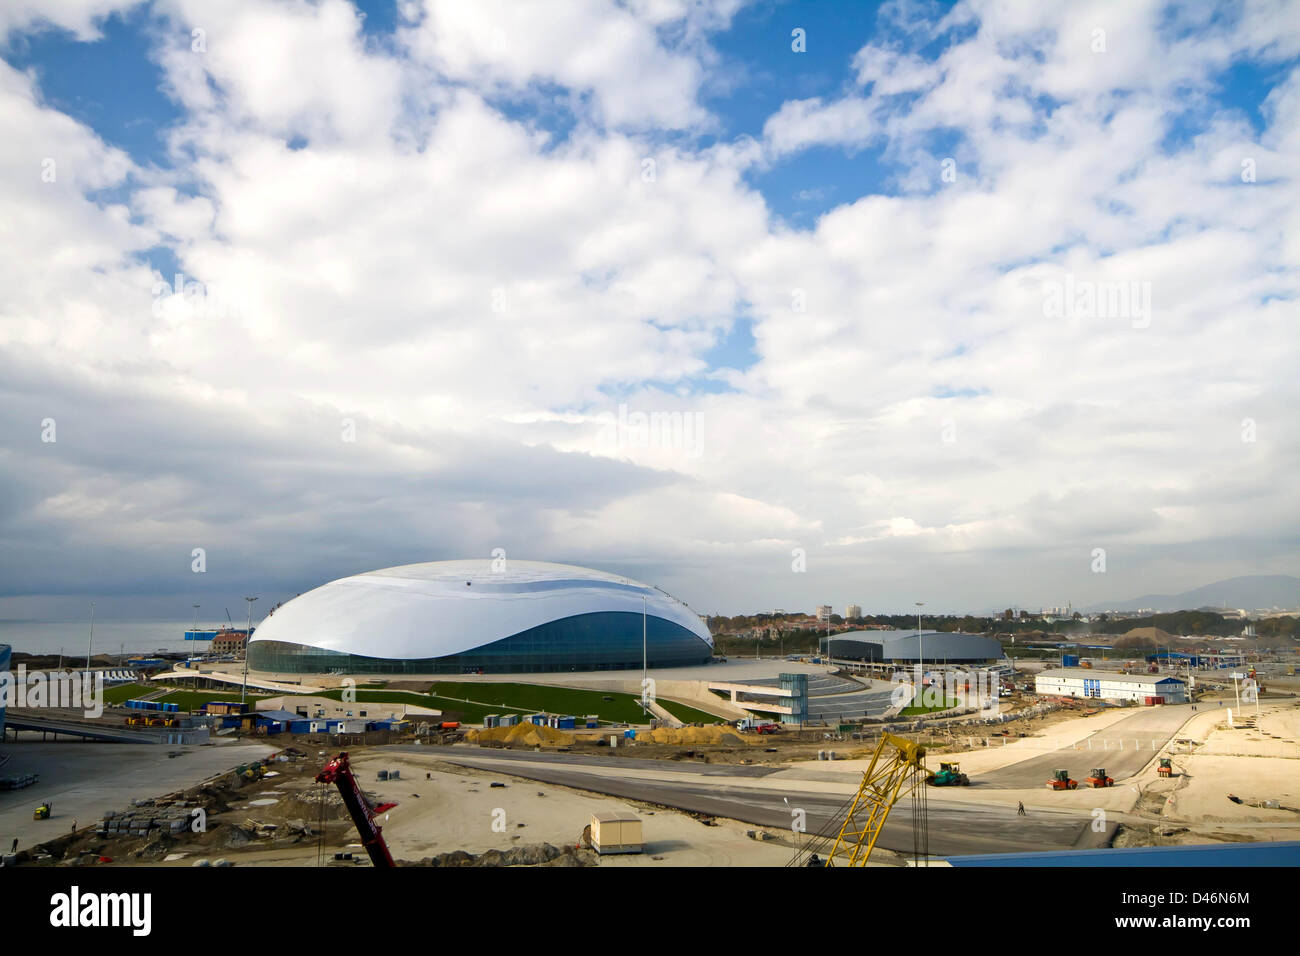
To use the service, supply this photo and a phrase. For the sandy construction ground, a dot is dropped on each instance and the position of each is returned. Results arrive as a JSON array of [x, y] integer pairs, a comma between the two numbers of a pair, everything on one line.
[[443, 808], [1004, 751], [82, 781], [1242, 761], [458, 809]]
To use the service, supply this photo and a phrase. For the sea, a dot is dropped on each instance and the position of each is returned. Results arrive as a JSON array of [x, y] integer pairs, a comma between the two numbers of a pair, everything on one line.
[[132, 638]]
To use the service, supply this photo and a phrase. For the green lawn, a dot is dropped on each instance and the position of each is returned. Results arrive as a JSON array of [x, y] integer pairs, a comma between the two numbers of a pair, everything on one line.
[[450, 696], [194, 699], [187, 699], [620, 708], [115, 695], [473, 701], [690, 715], [467, 713]]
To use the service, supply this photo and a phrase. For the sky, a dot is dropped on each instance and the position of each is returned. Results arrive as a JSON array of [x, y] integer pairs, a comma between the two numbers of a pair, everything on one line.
[[769, 304]]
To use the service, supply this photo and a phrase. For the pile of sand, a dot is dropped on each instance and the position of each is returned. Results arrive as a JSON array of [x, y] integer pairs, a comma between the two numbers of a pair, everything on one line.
[[693, 736], [522, 735]]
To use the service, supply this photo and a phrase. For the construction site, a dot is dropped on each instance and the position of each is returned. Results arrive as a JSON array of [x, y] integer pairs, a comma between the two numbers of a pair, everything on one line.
[[1021, 774]]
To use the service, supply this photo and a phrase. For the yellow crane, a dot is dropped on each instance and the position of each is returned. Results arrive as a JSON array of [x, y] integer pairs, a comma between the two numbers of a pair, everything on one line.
[[897, 767]]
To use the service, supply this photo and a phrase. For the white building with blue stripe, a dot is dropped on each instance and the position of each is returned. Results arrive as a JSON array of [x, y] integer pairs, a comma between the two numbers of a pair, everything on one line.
[[1110, 685]]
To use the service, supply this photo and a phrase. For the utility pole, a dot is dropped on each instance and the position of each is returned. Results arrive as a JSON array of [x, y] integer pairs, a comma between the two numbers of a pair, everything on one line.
[[919, 645], [91, 640], [243, 691], [644, 658]]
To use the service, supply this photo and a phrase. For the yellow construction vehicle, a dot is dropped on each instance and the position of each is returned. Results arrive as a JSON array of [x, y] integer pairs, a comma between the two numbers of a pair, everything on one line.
[[42, 812], [897, 767]]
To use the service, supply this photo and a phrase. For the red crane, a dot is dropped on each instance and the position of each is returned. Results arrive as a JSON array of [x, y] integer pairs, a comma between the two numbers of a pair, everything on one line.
[[339, 773]]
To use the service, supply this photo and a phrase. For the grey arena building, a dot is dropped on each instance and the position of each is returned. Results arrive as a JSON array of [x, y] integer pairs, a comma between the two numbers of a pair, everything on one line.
[[910, 647]]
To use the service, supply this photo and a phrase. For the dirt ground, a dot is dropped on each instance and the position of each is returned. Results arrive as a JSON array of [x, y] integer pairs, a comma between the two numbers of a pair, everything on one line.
[[287, 819], [1257, 762]]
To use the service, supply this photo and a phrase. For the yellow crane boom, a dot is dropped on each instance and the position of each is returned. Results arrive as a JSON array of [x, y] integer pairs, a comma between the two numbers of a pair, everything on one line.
[[881, 786]]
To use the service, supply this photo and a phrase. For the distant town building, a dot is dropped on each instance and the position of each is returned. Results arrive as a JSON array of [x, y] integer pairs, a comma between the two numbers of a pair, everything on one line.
[[853, 612], [228, 642], [824, 612]]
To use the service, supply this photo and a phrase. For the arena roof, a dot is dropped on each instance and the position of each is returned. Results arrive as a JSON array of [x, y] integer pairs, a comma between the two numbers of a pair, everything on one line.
[[449, 607]]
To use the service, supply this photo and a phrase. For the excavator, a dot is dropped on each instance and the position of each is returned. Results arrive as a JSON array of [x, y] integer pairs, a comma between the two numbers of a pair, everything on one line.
[[897, 767], [339, 772]]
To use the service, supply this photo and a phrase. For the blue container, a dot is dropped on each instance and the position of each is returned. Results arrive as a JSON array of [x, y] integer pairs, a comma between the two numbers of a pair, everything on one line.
[[1069, 660], [568, 723]]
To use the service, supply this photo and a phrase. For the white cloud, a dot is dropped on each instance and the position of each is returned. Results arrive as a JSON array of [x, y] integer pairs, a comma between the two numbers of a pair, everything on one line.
[[473, 292], [83, 18], [610, 52]]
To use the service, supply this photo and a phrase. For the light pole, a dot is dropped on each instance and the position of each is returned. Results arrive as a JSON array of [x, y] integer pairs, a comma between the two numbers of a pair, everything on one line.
[[194, 631], [243, 691], [920, 656], [644, 708], [91, 640]]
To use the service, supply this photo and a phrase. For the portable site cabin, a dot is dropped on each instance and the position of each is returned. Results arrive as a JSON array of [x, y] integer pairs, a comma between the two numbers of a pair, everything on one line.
[[616, 832], [349, 725]]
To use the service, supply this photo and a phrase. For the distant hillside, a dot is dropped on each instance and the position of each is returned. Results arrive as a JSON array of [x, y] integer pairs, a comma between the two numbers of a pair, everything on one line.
[[1250, 592]]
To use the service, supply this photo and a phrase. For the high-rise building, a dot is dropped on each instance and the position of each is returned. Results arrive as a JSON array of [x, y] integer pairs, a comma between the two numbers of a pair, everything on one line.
[[824, 612], [853, 612]]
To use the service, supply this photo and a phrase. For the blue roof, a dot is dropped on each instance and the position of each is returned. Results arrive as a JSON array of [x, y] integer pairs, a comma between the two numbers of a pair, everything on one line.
[[1215, 854], [278, 715]]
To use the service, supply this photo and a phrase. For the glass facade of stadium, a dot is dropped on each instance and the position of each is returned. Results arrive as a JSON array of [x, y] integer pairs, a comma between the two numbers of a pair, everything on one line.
[[605, 640]]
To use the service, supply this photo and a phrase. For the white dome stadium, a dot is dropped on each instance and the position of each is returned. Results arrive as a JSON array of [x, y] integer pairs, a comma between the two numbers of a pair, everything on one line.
[[488, 616]]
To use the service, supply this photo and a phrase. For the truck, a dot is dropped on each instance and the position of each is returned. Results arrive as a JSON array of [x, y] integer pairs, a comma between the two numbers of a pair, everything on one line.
[[755, 725]]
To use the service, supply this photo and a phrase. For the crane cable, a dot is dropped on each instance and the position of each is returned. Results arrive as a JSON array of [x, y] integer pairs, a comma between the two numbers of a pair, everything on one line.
[[920, 818]]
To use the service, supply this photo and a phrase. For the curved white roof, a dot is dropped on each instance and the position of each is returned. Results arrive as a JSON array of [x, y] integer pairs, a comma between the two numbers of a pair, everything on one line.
[[449, 607]]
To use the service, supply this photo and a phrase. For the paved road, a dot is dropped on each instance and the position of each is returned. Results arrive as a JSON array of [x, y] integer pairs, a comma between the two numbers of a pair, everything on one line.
[[26, 720], [83, 780], [720, 790], [1123, 749]]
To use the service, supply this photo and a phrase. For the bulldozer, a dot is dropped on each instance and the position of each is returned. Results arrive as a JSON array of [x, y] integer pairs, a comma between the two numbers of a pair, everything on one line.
[[1099, 778], [1061, 781], [1166, 768], [949, 775]]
